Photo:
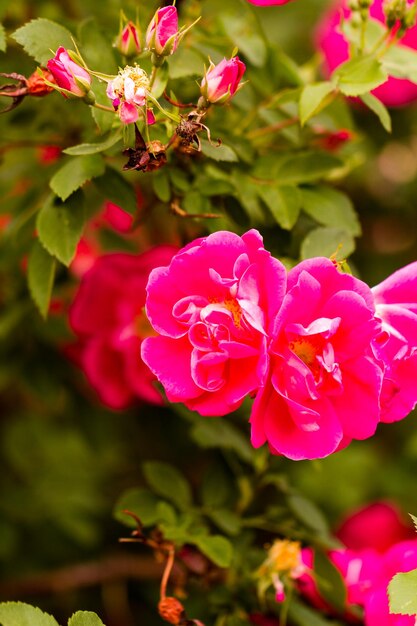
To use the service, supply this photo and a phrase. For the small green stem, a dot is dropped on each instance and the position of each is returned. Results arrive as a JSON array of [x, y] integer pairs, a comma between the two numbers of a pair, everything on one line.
[[174, 118], [103, 107], [153, 77]]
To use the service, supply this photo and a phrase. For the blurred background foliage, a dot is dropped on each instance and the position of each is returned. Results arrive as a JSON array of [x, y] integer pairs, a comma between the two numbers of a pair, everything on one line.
[[65, 458]]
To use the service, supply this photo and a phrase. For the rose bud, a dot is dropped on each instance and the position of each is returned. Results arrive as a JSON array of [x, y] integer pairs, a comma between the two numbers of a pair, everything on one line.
[[128, 42], [222, 81], [73, 81], [162, 33]]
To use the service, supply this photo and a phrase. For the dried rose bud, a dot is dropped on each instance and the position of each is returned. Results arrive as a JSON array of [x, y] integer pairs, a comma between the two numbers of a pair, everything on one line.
[[36, 83], [222, 81], [171, 610]]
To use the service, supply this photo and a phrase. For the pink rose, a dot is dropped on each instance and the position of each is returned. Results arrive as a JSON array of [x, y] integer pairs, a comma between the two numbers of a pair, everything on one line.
[[68, 75], [396, 305], [213, 307], [222, 81], [162, 33], [107, 316], [331, 41], [325, 381], [128, 42], [128, 92]]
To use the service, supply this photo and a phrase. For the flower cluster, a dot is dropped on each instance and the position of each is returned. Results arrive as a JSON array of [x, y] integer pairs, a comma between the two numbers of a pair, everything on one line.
[[327, 357], [378, 546]]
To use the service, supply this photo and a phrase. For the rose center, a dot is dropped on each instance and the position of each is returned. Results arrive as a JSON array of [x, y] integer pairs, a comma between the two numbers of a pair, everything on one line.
[[305, 350], [233, 306]]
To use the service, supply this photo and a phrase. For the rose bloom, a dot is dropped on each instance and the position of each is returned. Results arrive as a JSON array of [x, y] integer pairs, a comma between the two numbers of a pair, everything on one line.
[[108, 318], [396, 305], [162, 32], [378, 545], [222, 81], [69, 75], [325, 381], [212, 307], [335, 48], [128, 92]]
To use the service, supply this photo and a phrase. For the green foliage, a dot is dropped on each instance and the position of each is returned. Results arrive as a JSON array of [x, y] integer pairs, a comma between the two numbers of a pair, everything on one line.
[[3, 41], [75, 173], [330, 207], [167, 481], [94, 148], [114, 187], [41, 273], [217, 548], [359, 75], [20, 614], [379, 109], [402, 592], [329, 581], [313, 98], [327, 242], [41, 36]]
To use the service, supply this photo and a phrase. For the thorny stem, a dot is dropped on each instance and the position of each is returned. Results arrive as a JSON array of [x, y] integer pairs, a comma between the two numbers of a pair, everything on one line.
[[167, 572], [177, 210], [179, 105]]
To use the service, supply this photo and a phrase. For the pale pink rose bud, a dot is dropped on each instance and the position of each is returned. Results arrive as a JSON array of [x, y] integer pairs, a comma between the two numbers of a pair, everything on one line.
[[72, 79], [128, 42], [222, 81], [162, 34]]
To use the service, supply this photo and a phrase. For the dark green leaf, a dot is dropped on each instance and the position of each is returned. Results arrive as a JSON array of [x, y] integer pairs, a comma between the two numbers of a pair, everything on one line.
[[85, 618], [302, 615], [329, 581], [327, 242], [21, 614], [75, 173], [331, 207], [218, 153], [217, 548], [116, 189], [60, 226], [246, 35], [308, 513], [161, 186], [216, 488], [402, 593], [359, 75], [226, 520], [94, 148], [41, 274], [220, 434], [40, 36], [168, 482], [185, 62], [312, 99], [306, 167], [142, 503], [284, 202], [379, 109]]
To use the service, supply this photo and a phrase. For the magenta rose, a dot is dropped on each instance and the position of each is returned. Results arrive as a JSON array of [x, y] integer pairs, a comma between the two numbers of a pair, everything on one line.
[[213, 307], [396, 305], [325, 381], [108, 318], [335, 48], [68, 75], [162, 33], [222, 81]]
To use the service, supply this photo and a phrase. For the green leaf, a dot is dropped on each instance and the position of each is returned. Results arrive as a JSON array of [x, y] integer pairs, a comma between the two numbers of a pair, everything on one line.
[[94, 148], [185, 62], [379, 109], [218, 153], [329, 581], [220, 434], [75, 173], [95, 48], [246, 35], [60, 226], [327, 242], [161, 186], [41, 275], [302, 615], [312, 97], [116, 189], [284, 202], [140, 501], [401, 62], [359, 75], [308, 513], [402, 593], [216, 488], [305, 167], [217, 548], [21, 614], [41, 36], [168, 482], [3, 42], [331, 207], [85, 618], [161, 80], [226, 520]]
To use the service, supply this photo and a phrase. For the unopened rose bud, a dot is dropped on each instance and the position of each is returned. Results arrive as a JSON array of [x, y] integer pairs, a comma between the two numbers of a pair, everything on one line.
[[72, 80], [162, 33], [222, 81], [171, 610], [128, 42]]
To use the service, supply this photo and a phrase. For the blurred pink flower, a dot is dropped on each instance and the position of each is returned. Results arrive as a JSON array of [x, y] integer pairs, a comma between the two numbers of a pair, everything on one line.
[[162, 32], [222, 81], [212, 307], [324, 383], [108, 318], [331, 41], [68, 75], [396, 305]]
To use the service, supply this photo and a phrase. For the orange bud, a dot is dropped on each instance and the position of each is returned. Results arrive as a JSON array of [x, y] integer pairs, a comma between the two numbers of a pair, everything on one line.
[[171, 610]]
